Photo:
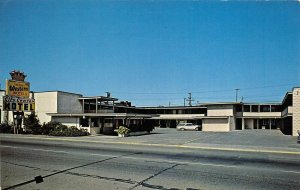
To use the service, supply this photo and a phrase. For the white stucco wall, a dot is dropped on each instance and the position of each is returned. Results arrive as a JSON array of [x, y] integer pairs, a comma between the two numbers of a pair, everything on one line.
[[2, 93], [220, 110], [68, 121], [45, 102], [214, 124], [56, 102]]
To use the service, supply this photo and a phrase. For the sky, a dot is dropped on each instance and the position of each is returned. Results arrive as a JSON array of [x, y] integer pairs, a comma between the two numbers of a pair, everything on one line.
[[154, 52]]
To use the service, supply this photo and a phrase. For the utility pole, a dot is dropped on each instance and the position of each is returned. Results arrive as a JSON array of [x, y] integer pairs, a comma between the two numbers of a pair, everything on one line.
[[189, 99], [184, 101], [236, 94]]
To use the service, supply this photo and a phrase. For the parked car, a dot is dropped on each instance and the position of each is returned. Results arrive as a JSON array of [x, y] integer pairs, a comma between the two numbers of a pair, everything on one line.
[[188, 126]]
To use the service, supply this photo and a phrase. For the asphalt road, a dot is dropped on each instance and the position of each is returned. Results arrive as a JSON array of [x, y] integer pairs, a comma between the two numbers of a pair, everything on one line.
[[80, 165]]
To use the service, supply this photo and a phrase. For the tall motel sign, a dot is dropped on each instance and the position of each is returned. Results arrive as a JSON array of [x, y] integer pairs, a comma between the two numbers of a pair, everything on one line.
[[17, 98]]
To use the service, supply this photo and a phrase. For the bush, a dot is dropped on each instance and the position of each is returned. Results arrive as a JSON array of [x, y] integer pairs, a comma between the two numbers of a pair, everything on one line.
[[123, 130], [6, 128], [53, 128], [62, 130], [50, 126]]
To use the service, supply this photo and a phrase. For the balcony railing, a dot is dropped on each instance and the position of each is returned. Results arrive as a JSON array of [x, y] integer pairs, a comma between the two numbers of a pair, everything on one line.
[[258, 114]]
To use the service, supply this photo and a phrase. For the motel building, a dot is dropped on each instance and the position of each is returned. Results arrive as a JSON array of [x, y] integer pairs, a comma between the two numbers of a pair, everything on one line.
[[104, 114]]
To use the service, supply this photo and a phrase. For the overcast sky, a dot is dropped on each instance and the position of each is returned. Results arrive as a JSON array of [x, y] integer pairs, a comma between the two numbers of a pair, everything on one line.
[[153, 52]]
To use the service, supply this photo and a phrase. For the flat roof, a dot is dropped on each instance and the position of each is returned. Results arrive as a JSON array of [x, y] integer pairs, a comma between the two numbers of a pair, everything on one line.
[[286, 95], [263, 103], [119, 115], [171, 107], [57, 91], [98, 97], [221, 103]]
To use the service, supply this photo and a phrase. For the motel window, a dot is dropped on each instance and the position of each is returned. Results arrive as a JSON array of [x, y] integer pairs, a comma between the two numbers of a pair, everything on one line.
[[84, 122], [95, 122], [275, 108], [239, 108], [254, 108], [246, 108], [265, 108], [265, 122]]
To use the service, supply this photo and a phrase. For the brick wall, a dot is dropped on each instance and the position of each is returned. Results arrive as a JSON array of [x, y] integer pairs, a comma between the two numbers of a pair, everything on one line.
[[296, 111]]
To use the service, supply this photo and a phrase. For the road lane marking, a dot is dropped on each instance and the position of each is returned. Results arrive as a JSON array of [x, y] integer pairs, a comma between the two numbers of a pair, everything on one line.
[[191, 140], [172, 146], [37, 149], [56, 151]]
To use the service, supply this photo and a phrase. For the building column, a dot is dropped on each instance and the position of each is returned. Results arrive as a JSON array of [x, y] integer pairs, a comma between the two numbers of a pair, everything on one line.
[[90, 122], [96, 105], [243, 124], [82, 105]]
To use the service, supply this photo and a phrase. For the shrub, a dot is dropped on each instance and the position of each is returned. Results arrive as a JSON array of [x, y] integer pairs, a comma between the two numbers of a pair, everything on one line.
[[6, 128], [50, 126], [62, 130], [123, 130]]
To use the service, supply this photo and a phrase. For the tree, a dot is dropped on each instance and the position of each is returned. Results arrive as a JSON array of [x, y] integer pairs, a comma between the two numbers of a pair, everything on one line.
[[32, 124]]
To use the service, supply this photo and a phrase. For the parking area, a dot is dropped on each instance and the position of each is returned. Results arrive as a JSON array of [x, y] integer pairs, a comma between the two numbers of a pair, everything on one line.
[[239, 139], [256, 138]]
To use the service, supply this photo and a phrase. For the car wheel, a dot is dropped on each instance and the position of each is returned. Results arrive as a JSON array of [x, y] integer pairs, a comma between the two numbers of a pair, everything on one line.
[[181, 129], [197, 129]]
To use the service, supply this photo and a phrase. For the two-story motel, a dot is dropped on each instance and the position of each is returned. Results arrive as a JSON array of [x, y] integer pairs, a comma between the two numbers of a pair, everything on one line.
[[102, 114]]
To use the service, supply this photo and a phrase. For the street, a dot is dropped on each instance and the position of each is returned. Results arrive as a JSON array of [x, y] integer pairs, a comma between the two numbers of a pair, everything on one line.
[[68, 164]]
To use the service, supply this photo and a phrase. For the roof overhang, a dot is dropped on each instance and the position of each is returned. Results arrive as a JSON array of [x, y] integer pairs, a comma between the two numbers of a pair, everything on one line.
[[286, 95], [106, 115], [221, 103], [99, 98], [260, 117]]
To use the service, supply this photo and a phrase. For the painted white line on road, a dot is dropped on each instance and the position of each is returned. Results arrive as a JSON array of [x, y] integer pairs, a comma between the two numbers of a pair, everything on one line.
[[8, 146], [287, 171], [191, 141], [106, 155], [55, 151], [36, 149], [201, 163]]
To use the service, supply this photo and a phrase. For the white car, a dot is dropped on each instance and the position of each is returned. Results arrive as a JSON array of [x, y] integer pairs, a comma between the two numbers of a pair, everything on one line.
[[188, 126]]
